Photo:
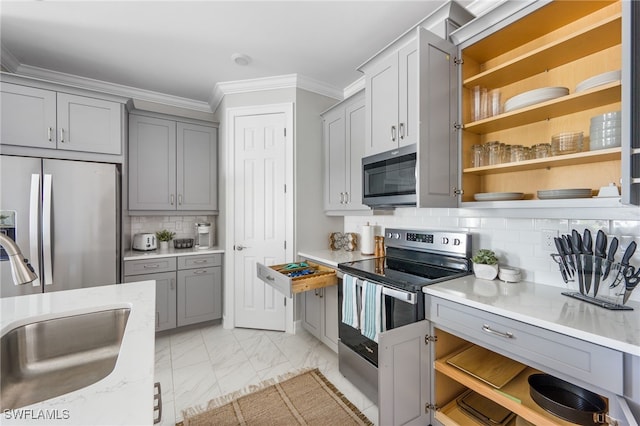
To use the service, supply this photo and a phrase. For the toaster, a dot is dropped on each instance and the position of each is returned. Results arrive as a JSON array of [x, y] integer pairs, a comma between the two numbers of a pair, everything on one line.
[[144, 242]]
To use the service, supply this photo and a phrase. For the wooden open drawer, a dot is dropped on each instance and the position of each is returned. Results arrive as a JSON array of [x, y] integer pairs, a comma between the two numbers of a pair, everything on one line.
[[277, 278]]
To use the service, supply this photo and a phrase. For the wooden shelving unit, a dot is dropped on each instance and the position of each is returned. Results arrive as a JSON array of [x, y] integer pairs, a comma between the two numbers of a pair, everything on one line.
[[560, 44]]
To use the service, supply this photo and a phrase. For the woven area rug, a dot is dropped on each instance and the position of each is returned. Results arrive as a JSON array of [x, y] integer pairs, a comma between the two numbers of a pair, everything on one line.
[[304, 399]]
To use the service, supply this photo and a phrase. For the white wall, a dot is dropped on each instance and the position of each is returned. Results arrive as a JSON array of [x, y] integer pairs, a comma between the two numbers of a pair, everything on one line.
[[515, 238]]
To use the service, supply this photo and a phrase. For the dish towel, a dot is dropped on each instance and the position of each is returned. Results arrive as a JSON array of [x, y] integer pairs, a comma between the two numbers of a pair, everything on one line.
[[372, 315], [350, 301]]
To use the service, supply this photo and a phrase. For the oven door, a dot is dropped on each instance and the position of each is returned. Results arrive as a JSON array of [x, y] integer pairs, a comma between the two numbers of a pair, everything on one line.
[[389, 178], [401, 308]]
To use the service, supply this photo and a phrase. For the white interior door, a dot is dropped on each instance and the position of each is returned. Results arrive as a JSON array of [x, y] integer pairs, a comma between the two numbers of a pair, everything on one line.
[[260, 216]]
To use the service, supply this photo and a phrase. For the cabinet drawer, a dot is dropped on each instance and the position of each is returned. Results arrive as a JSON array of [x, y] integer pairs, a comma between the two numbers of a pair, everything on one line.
[[137, 267], [191, 262], [288, 286], [538, 347]]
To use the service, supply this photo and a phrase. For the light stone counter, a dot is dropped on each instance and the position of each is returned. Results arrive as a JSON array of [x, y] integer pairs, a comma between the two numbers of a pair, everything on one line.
[[333, 257], [170, 252], [124, 397], [543, 306]]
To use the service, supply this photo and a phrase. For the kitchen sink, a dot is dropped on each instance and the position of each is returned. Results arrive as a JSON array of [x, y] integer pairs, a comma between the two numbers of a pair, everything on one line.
[[45, 359]]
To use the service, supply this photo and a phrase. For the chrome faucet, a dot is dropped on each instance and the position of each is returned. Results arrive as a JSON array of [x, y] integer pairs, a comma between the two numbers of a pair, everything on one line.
[[21, 269]]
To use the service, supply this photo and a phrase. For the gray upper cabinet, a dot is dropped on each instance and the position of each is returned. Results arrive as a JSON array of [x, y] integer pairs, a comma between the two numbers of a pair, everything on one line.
[[39, 118], [172, 165], [344, 143], [412, 98]]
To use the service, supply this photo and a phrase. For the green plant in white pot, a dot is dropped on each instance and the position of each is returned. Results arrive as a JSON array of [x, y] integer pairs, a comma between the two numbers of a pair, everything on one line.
[[485, 264], [164, 237]]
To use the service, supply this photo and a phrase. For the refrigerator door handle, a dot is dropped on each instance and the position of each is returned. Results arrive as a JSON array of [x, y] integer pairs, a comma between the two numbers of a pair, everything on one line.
[[46, 230], [34, 198]]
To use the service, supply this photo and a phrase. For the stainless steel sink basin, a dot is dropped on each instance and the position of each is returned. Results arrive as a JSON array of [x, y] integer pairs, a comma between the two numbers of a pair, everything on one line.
[[45, 359]]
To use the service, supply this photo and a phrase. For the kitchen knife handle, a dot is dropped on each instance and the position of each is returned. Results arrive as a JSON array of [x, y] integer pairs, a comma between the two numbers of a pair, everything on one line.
[[628, 253], [576, 242], [586, 242], [601, 244], [613, 247]]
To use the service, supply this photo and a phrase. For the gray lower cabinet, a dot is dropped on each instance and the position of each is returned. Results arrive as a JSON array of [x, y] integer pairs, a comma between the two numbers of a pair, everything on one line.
[[39, 118], [320, 315], [417, 384], [188, 288], [172, 165]]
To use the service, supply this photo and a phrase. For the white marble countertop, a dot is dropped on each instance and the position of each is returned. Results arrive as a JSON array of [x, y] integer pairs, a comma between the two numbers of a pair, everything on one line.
[[333, 257], [170, 252], [124, 397], [543, 306]]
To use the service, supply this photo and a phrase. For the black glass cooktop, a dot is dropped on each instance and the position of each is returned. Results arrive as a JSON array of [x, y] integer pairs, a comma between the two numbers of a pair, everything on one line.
[[404, 274]]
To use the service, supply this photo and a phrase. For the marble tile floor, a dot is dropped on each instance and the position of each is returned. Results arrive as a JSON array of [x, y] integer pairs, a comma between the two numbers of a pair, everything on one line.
[[201, 363]]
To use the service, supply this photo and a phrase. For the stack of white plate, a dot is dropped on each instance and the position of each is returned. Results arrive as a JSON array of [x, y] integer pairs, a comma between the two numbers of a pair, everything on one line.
[[598, 80], [605, 131], [534, 97]]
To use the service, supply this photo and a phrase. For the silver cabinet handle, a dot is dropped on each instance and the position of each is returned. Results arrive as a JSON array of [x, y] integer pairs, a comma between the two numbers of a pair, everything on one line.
[[180, 199], [46, 230], [401, 130], [200, 261], [506, 335], [321, 293], [342, 199], [34, 205], [200, 272], [151, 266], [49, 131], [270, 278], [173, 283], [172, 199], [347, 198], [62, 135], [393, 133]]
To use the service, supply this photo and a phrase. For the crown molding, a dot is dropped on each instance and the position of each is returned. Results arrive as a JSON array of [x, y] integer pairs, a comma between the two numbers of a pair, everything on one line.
[[478, 7], [111, 88], [9, 62], [354, 87], [272, 83]]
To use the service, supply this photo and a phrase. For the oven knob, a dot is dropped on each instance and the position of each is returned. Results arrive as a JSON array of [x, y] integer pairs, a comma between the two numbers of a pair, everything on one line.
[[396, 236], [445, 240], [389, 235]]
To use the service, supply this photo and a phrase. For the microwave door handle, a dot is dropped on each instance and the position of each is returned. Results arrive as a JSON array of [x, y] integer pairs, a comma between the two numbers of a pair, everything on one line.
[[400, 295]]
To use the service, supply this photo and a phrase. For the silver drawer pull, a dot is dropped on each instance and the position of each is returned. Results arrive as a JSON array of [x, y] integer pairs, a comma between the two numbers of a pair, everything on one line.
[[200, 272], [155, 265], [200, 261], [270, 278], [487, 329]]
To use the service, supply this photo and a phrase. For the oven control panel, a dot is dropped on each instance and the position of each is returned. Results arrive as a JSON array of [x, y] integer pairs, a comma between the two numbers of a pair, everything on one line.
[[454, 243]]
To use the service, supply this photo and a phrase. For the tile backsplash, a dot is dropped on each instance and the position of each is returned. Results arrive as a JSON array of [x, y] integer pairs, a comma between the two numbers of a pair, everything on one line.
[[183, 226], [516, 241]]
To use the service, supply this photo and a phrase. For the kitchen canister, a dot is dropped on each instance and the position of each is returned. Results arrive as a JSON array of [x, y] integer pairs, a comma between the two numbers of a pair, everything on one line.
[[367, 239]]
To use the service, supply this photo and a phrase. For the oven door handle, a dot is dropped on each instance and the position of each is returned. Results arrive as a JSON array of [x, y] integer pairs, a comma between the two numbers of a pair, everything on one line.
[[400, 295]]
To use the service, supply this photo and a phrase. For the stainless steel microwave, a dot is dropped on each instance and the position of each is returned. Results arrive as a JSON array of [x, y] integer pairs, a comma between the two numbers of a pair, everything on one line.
[[389, 178]]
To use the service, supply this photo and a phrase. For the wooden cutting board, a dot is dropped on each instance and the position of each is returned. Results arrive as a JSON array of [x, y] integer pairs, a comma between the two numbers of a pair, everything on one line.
[[490, 367]]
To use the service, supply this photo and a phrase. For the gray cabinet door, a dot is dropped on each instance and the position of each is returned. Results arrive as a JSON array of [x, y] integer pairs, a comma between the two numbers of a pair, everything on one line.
[[312, 318], [152, 163], [199, 295], [89, 125], [28, 116], [403, 375], [197, 167], [438, 147], [336, 161], [165, 297], [408, 95], [330, 316], [355, 116], [381, 83]]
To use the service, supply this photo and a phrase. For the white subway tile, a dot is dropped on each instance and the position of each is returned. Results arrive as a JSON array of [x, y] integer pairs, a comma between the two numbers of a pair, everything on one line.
[[625, 227], [561, 225], [493, 223], [469, 222], [519, 224]]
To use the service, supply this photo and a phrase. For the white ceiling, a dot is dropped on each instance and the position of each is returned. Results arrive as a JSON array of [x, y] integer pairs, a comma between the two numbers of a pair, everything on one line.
[[183, 48]]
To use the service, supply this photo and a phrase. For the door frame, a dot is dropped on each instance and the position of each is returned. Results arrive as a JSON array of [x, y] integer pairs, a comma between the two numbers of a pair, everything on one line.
[[229, 274]]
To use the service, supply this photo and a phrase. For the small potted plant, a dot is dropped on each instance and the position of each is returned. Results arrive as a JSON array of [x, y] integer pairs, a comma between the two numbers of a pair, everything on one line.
[[485, 264], [164, 237]]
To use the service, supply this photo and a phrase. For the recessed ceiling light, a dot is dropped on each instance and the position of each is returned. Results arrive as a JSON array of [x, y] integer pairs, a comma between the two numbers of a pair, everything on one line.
[[241, 59]]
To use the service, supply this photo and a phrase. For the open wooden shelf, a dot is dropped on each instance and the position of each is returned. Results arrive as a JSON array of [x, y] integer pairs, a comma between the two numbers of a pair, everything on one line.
[[575, 102], [555, 161], [594, 38], [514, 395]]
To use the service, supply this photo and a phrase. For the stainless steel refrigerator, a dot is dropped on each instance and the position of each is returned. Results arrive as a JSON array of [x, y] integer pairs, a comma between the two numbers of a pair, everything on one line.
[[65, 216]]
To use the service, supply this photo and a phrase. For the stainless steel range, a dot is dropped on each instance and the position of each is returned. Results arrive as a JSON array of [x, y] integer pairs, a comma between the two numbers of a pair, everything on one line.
[[414, 259]]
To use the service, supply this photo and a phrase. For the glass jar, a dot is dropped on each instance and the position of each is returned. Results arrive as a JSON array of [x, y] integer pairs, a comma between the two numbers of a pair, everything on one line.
[[505, 153], [477, 156], [542, 150], [493, 153], [517, 153]]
